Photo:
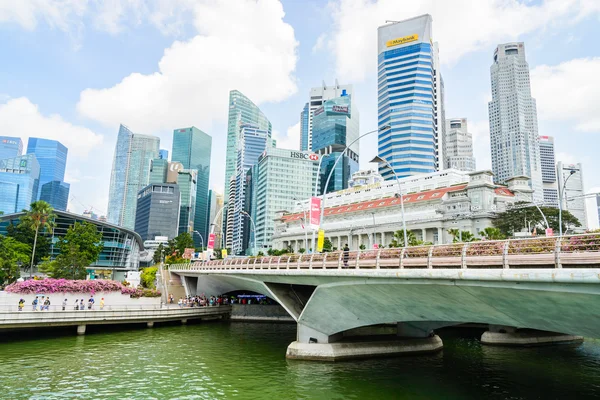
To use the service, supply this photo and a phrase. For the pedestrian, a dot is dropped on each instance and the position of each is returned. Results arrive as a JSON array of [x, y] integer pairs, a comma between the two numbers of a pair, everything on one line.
[[91, 303], [76, 305], [102, 303], [171, 298], [64, 304], [180, 302], [346, 254], [81, 305], [47, 304], [21, 304], [35, 303]]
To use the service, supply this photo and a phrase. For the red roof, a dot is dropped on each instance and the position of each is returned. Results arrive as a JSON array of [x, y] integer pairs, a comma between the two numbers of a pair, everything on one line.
[[504, 192], [386, 202]]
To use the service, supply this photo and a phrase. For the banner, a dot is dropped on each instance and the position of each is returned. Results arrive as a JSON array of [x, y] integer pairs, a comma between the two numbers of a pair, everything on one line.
[[224, 253], [188, 253], [320, 240], [549, 232], [211, 241], [314, 213]]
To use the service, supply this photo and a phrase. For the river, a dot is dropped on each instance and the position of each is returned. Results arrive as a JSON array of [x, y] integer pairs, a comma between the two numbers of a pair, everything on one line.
[[247, 361]]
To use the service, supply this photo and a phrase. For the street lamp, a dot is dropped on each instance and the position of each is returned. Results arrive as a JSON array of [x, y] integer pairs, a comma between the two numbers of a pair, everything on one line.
[[560, 201], [253, 228], [201, 240], [538, 208], [317, 179], [305, 226], [379, 159], [337, 160]]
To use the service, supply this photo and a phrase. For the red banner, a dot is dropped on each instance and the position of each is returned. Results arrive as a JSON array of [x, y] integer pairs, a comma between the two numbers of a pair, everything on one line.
[[211, 241], [315, 212]]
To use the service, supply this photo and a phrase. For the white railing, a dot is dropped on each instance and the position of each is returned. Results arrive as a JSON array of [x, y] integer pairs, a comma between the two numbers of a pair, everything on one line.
[[577, 251]]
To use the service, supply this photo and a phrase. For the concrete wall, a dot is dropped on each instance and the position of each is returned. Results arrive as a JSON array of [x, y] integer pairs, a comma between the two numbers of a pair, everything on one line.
[[9, 301], [258, 312]]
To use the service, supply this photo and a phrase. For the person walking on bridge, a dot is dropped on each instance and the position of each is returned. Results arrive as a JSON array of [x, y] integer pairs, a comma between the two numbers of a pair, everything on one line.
[[346, 255]]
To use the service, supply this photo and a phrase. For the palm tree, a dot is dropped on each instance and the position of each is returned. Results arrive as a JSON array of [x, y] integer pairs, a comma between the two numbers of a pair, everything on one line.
[[40, 216], [491, 233]]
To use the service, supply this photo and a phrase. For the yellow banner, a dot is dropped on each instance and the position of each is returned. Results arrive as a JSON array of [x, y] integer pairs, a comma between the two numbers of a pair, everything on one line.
[[402, 40], [224, 253], [320, 240]]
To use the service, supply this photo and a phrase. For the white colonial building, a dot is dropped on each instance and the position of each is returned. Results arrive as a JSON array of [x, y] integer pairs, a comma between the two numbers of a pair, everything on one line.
[[433, 204]]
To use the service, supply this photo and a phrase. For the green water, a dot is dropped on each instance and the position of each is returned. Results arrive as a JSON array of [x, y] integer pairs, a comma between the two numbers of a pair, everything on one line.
[[246, 361]]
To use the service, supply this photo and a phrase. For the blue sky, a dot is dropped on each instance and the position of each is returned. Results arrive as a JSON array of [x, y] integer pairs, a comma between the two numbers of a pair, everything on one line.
[[73, 70]]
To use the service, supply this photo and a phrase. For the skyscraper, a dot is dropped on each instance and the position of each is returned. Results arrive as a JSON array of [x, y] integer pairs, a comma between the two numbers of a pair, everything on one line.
[[10, 147], [52, 157], [157, 211], [163, 154], [548, 163], [459, 145], [573, 192], [513, 119], [56, 193], [304, 119], [410, 92], [335, 125], [130, 173], [19, 180], [192, 148]]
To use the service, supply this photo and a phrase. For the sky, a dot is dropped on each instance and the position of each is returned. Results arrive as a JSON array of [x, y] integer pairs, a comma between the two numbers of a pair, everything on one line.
[[73, 70]]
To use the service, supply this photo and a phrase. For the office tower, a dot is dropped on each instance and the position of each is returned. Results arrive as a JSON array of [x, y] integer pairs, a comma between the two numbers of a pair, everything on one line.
[[19, 180], [573, 193], [192, 148], [229, 220], [317, 96], [410, 98], [157, 211], [52, 157], [252, 144], [335, 125], [459, 145], [56, 193], [187, 180], [158, 170], [513, 119], [10, 147], [130, 173], [548, 164], [279, 178], [439, 128], [304, 120], [163, 154]]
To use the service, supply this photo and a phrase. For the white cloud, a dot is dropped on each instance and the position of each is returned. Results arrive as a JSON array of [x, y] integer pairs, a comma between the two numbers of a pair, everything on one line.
[[569, 91], [57, 14], [20, 117], [320, 43], [254, 52], [291, 140], [460, 26]]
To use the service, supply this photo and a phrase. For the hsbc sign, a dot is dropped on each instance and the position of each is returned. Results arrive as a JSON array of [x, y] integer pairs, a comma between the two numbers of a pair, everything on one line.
[[304, 156]]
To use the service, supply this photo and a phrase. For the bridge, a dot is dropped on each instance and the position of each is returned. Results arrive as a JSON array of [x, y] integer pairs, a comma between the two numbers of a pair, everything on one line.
[[544, 284]]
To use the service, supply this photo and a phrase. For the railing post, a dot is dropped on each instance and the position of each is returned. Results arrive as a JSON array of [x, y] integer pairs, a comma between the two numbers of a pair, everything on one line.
[[340, 260], [557, 250], [357, 259], [377, 259], [310, 261], [299, 261], [505, 255], [429, 260], [463, 256], [287, 264], [401, 263], [324, 258]]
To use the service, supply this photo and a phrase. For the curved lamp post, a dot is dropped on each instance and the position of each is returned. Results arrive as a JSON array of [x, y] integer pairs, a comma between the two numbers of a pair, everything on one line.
[[337, 160], [201, 239], [538, 208], [305, 223], [560, 201], [317, 179]]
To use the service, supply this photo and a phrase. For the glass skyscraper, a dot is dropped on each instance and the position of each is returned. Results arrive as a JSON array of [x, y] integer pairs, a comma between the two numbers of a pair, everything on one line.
[[163, 154], [19, 182], [192, 148], [56, 193], [410, 98], [52, 157], [130, 173], [335, 124], [304, 121], [10, 147]]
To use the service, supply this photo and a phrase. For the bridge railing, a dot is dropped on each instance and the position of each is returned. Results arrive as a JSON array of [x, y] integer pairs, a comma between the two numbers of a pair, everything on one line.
[[577, 251]]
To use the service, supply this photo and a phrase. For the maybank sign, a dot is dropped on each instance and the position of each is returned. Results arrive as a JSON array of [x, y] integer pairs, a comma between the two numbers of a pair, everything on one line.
[[402, 40]]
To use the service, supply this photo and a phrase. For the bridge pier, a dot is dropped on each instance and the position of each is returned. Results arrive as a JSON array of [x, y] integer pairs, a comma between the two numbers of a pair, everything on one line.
[[150, 324], [499, 335], [81, 330]]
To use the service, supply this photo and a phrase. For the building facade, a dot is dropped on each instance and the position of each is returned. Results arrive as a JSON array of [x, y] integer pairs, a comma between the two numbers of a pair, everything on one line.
[[130, 173], [513, 119], [304, 120], [163, 154], [365, 177], [19, 182], [371, 215], [56, 193], [192, 148], [187, 181], [157, 212], [548, 163], [216, 217], [572, 193], [336, 125], [410, 91], [52, 157], [459, 145], [10, 147]]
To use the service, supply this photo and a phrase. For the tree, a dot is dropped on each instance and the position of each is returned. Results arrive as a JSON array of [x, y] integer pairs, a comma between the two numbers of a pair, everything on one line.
[[24, 234], [491, 233], [302, 250], [11, 253], [518, 218], [148, 277], [398, 240], [178, 245], [362, 247], [327, 245], [461, 236], [157, 258], [80, 247], [39, 217]]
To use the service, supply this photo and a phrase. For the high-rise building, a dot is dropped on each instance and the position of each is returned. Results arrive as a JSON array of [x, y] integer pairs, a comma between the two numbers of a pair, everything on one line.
[[216, 217], [52, 157], [163, 154], [56, 193], [19, 181], [410, 99], [158, 170], [573, 193], [187, 180], [157, 211], [513, 119], [192, 148], [335, 125], [459, 145], [548, 163], [10, 147], [130, 173], [279, 178], [304, 120], [439, 111]]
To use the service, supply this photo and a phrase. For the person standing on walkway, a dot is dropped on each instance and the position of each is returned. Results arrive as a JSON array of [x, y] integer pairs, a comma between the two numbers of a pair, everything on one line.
[[81, 305], [35, 303], [346, 254], [21, 304], [102, 303], [91, 303], [64, 304], [47, 304]]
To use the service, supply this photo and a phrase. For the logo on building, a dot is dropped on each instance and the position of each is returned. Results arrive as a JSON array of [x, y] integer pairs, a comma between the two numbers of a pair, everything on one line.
[[318, 111], [340, 109], [402, 40], [304, 156], [173, 171]]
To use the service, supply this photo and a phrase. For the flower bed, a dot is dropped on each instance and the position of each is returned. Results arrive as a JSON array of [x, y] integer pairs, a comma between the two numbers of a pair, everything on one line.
[[45, 286]]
